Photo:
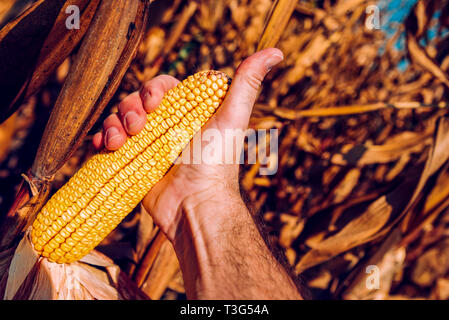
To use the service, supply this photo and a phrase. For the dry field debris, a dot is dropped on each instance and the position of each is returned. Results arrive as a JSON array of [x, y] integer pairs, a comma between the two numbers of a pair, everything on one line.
[[362, 186]]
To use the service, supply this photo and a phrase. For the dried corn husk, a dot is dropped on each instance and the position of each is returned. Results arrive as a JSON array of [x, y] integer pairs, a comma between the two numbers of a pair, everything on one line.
[[31, 277]]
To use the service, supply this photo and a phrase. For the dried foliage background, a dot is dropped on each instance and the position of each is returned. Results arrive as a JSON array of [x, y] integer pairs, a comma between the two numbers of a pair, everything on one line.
[[363, 178]]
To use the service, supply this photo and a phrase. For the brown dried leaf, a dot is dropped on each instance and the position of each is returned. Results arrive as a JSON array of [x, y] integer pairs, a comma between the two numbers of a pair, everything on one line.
[[346, 186], [418, 21], [393, 149], [93, 77], [431, 265], [145, 233], [420, 57], [60, 43], [6, 134], [292, 114], [371, 223], [20, 43], [276, 22], [164, 269], [383, 266], [441, 290], [210, 13]]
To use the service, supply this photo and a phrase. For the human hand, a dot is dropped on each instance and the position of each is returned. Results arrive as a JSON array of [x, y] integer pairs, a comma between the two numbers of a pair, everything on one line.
[[191, 184], [198, 206]]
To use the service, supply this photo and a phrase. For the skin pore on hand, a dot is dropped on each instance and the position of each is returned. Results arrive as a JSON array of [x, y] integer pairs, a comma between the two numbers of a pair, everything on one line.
[[199, 207]]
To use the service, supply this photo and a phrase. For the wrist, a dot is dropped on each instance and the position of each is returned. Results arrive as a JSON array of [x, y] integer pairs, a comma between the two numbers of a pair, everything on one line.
[[206, 210], [205, 234]]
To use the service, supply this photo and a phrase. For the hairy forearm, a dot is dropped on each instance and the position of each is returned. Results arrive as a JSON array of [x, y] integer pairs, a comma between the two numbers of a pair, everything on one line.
[[222, 253]]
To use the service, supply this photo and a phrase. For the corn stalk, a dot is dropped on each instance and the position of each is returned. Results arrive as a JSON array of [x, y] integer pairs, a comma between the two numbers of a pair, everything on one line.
[[109, 45]]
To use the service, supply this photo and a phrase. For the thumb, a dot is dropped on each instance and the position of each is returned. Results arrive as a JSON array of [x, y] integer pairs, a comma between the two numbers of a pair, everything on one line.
[[238, 104]]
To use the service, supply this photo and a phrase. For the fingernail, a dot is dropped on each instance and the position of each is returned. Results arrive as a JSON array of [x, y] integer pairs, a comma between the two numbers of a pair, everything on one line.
[[145, 95], [273, 60], [131, 121], [111, 134]]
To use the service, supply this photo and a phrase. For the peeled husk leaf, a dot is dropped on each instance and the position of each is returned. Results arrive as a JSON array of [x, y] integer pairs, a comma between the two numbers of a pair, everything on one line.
[[95, 277]]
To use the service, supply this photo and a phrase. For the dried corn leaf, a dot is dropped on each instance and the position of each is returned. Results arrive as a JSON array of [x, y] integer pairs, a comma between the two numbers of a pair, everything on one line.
[[375, 278], [390, 207], [164, 269], [393, 149], [20, 43], [416, 23], [91, 76], [60, 43], [276, 22], [292, 114], [432, 264], [6, 133]]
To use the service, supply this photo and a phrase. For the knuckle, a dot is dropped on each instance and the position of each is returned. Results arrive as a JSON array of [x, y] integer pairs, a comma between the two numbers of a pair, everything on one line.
[[145, 89], [110, 118], [123, 106], [253, 79], [250, 74], [167, 77], [167, 81]]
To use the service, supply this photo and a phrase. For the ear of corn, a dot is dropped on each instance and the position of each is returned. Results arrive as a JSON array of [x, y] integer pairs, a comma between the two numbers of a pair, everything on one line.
[[111, 184]]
